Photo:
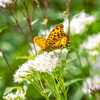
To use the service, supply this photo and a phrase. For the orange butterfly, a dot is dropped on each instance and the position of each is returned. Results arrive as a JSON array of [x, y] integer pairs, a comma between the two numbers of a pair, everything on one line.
[[56, 40]]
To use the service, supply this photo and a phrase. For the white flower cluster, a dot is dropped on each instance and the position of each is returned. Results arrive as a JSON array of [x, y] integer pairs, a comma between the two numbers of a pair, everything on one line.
[[78, 24], [42, 32], [89, 82], [3, 3], [19, 95], [94, 53], [33, 49], [92, 42], [42, 63]]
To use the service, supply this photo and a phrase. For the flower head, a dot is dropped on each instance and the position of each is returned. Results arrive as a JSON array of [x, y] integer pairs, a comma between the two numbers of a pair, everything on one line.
[[89, 83], [33, 49], [78, 25], [92, 42], [46, 62], [19, 95], [4, 3], [94, 53]]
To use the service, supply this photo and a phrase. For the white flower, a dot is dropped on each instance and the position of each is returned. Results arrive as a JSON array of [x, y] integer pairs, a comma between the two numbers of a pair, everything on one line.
[[98, 61], [1, 54], [89, 82], [19, 95], [78, 25], [33, 49], [0, 77], [42, 32], [21, 73], [94, 53], [92, 42], [3, 3], [86, 83], [46, 62], [61, 54]]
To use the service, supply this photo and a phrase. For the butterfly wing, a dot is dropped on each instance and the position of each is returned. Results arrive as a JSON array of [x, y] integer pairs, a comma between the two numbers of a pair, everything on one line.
[[57, 38], [40, 41]]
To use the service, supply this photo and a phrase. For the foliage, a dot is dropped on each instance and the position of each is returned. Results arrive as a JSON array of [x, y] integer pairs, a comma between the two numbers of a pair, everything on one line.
[[75, 72]]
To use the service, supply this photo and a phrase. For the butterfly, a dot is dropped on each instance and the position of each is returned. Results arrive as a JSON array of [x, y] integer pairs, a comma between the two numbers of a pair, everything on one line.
[[56, 40]]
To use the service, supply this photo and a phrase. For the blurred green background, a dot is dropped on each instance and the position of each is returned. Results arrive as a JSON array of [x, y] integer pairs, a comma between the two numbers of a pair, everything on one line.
[[13, 43]]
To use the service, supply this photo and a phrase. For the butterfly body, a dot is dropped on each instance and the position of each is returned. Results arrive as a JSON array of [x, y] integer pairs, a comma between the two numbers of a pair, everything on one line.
[[56, 40]]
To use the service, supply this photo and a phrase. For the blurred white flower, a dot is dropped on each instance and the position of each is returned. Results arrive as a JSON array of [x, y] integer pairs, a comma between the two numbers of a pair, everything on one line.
[[89, 82], [46, 62], [33, 49], [86, 84], [92, 42], [94, 89], [42, 32], [98, 61], [94, 53], [1, 54], [21, 73], [3, 3], [0, 77], [19, 95], [78, 24], [61, 54]]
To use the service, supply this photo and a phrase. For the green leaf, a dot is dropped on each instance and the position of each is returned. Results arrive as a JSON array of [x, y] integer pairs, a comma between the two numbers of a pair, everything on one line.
[[26, 57], [3, 28], [67, 89], [73, 67], [63, 14], [78, 14], [46, 90], [67, 61], [49, 94], [69, 82], [9, 89]]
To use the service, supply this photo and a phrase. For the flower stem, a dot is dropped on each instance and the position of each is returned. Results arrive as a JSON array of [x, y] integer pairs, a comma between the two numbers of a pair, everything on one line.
[[57, 91], [7, 62]]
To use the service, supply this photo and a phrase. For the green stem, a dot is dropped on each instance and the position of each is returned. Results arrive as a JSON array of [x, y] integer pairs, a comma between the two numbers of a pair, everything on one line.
[[80, 63], [57, 91], [43, 89], [87, 61], [65, 96]]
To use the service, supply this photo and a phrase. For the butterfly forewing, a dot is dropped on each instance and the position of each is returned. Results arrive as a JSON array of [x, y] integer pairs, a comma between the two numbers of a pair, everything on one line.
[[40, 41]]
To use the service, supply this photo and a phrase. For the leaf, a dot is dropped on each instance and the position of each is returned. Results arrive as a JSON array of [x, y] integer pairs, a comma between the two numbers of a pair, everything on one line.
[[63, 14], [69, 82], [70, 68], [49, 94], [46, 90], [34, 21], [9, 89], [67, 89], [67, 61], [78, 14], [3, 28], [26, 57]]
